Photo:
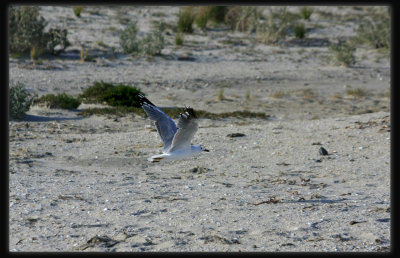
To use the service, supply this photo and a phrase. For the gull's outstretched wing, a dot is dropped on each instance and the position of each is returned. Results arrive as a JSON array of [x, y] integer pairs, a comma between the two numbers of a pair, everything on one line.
[[165, 126], [187, 127]]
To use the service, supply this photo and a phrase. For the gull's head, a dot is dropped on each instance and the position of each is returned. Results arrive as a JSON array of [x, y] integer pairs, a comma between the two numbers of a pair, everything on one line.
[[199, 148], [204, 149]]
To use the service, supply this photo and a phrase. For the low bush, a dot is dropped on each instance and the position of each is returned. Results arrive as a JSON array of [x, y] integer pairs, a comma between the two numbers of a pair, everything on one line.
[[35, 53], [128, 39], [77, 10], [375, 32], [306, 12], [112, 94], [220, 94], [217, 13], [116, 111], [343, 53], [276, 27], [172, 112], [232, 16], [151, 44], [203, 14], [202, 17], [248, 18], [56, 37], [154, 42], [357, 93], [271, 29], [26, 28], [26, 31], [179, 39], [299, 31], [20, 101], [186, 18], [62, 101]]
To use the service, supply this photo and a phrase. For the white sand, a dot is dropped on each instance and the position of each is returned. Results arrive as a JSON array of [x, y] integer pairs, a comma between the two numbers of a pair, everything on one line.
[[84, 183]]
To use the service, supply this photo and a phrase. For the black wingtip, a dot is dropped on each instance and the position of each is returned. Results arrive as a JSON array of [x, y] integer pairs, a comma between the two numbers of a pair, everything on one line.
[[190, 111], [143, 99]]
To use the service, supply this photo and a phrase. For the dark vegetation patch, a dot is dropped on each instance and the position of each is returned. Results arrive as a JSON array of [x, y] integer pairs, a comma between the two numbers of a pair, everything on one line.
[[172, 112], [112, 94], [63, 101]]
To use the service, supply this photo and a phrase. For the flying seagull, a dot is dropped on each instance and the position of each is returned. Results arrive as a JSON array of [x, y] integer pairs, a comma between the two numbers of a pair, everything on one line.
[[176, 138]]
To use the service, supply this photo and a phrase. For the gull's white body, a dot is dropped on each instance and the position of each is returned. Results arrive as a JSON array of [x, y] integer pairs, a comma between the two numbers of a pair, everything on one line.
[[177, 154]]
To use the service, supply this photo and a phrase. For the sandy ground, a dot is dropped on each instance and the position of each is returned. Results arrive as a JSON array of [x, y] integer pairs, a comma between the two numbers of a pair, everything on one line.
[[84, 183]]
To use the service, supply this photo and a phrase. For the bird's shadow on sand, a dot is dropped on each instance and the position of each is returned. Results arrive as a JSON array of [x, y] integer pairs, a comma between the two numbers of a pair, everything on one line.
[[36, 118]]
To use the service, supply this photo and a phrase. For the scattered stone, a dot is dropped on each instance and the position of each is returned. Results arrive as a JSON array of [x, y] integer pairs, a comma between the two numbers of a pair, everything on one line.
[[323, 151], [288, 244], [219, 239], [30, 221], [102, 241], [316, 196], [318, 186], [282, 164], [233, 135], [186, 58], [227, 185], [272, 200], [199, 170], [316, 143], [355, 222]]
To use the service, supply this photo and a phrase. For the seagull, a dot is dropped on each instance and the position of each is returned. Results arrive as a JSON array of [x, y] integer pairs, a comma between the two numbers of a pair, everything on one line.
[[176, 138]]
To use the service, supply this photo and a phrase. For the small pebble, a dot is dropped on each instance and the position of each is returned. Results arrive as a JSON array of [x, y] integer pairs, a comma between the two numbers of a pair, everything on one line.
[[232, 135], [322, 151]]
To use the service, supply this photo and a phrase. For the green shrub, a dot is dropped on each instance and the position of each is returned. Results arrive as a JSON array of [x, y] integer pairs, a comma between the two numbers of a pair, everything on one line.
[[299, 31], [268, 30], [248, 95], [113, 95], [19, 101], [202, 16], [115, 111], [153, 43], [343, 53], [26, 31], [26, 28], [232, 16], [56, 37], [276, 27], [62, 101], [306, 12], [172, 112], [186, 18], [357, 93], [375, 32], [279, 94], [150, 45], [128, 40], [220, 94], [179, 39], [35, 53], [248, 19], [77, 10], [217, 13]]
